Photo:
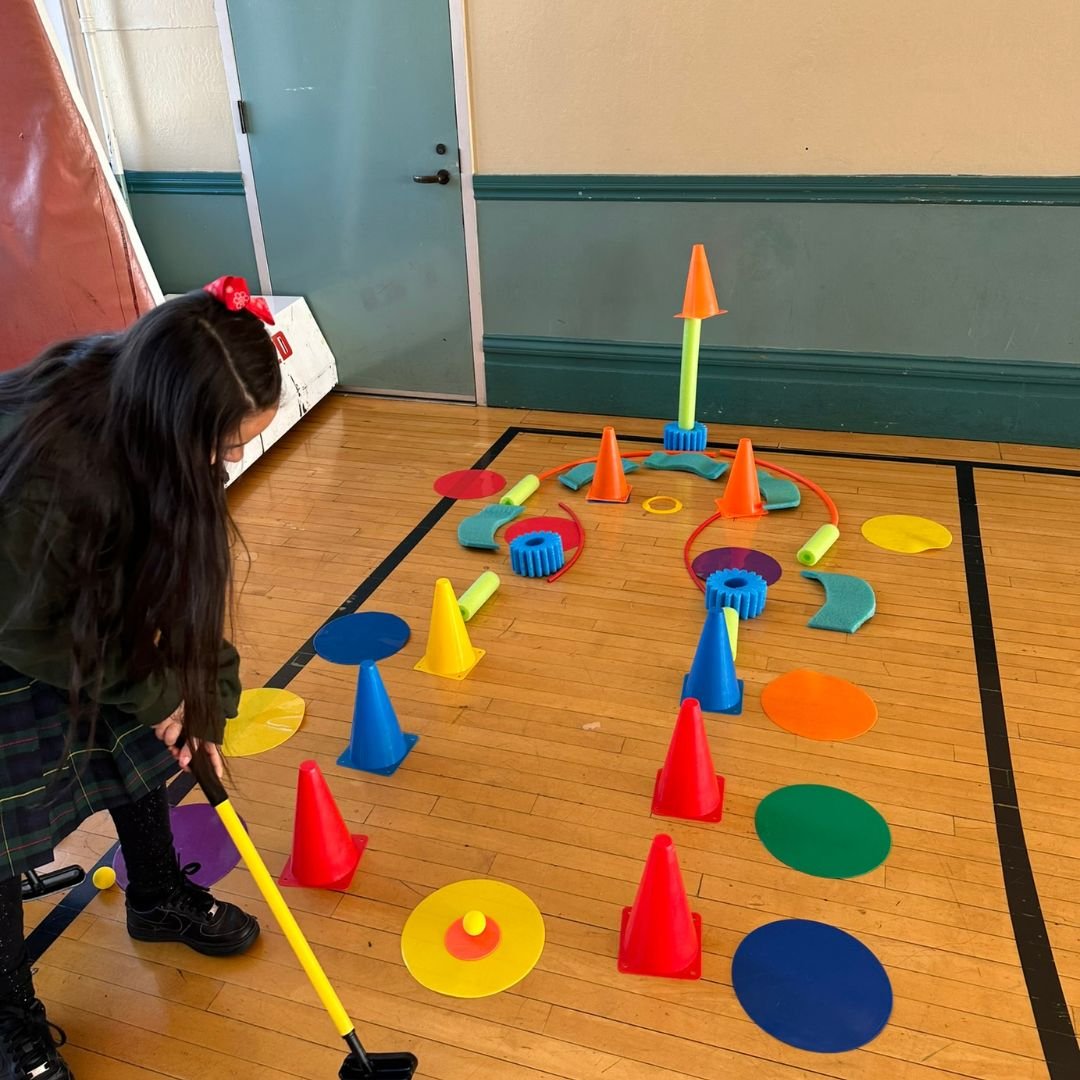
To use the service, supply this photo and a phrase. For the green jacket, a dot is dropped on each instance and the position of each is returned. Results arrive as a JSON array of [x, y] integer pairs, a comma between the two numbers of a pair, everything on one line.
[[35, 608]]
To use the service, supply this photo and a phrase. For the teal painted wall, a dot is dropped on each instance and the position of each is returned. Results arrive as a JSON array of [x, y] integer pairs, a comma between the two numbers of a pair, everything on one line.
[[854, 285], [194, 225]]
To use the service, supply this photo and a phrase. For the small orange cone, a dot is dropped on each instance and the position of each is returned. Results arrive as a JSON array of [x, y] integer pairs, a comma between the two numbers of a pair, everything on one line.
[[324, 855], [660, 935], [700, 299], [742, 496], [688, 785], [609, 482]]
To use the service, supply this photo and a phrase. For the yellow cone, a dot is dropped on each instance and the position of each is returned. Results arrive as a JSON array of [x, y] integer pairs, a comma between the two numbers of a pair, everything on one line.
[[450, 653]]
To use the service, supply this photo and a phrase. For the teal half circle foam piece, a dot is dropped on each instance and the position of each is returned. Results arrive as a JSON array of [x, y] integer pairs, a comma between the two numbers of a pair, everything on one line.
[[478, 531], [580, 475], [777, 492], [849, 602], [698, 464]]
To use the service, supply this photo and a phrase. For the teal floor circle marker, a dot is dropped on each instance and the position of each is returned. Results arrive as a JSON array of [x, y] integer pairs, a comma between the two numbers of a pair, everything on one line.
[[823, 831]]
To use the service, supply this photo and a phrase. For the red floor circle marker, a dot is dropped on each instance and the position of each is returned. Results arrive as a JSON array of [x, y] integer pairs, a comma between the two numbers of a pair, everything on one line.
[[566, 529], [465, 946], [470, 484]]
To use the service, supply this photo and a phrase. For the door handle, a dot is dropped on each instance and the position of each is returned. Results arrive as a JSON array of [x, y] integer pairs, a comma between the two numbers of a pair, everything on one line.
[[441, 177]]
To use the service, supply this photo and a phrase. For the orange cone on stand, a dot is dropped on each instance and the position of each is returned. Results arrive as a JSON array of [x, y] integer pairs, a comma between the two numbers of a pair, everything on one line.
[[609, 482], [742, 496], [699, 301]]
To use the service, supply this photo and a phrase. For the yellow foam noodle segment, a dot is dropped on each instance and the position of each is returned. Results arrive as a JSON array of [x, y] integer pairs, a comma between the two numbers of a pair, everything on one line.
[[266, 719], [478, 594], [812, 551], [450, 653], [521, 939], [731, 617], [525, 487], [906, 533]]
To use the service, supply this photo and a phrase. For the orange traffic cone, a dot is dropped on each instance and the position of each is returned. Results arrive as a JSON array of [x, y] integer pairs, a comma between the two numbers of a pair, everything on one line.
[[324, 855], [609, 482], [688, 785], [742, 497], [699, 301], [659, 934]]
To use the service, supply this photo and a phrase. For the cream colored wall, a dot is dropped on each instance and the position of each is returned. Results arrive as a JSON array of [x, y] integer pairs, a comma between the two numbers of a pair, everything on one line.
[[776, 86], [160, 61]]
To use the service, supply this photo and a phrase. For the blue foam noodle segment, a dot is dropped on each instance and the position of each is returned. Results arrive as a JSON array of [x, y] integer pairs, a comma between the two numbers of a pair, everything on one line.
[[698, 464], [778, 492], [536, 554], [849, 602], [478, 531], [581, 475], [742, 590]]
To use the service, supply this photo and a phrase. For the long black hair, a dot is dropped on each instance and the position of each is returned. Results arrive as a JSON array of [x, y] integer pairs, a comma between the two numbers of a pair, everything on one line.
[[130, 430]]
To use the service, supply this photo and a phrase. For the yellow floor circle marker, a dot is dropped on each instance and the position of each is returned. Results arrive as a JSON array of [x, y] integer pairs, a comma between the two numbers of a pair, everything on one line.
[[473, 939], [674, 508], [266, 719], [906, 533]]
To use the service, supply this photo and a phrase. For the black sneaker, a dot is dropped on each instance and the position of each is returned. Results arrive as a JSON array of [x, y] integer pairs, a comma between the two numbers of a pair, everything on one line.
[[29, 1044], [191, 915]]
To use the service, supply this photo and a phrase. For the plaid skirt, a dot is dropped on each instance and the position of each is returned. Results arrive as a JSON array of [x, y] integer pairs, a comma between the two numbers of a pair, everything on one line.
[[44, 797]]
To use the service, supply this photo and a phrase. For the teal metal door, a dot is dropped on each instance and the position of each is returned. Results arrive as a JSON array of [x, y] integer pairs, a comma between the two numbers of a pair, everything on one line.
[[349, 108]]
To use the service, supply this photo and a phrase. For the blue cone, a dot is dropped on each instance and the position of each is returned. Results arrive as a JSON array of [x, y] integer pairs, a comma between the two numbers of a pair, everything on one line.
[[712, 675], [378, 744]]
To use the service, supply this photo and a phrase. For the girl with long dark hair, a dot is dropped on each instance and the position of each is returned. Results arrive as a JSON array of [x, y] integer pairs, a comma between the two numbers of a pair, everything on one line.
[[115, 570]]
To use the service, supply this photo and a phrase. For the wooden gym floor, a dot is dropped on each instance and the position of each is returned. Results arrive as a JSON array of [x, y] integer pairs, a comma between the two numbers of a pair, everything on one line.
[[508, 782]]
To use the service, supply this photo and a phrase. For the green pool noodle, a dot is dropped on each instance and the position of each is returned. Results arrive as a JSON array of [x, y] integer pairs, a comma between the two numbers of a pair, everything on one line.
[[580, 475], [814, 548], [777, 492], [698, 464], [517, 495], [478, 594], [691, 344], [731, 617], [478, 531], [849, 602]]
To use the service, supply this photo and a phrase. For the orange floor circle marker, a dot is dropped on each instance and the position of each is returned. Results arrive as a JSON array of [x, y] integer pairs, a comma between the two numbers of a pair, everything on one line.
[[473, 939], [819, 706]]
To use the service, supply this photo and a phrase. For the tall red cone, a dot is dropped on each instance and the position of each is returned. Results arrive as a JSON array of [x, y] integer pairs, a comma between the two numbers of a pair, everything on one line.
[[742, 496], [609, 481], [688, 785], [659, 934], [324, 854]]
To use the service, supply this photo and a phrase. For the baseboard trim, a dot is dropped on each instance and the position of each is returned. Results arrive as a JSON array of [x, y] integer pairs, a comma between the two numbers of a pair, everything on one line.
[[1026, 401]]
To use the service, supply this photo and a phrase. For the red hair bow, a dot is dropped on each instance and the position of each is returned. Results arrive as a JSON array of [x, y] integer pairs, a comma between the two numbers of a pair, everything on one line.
[[234, 293]]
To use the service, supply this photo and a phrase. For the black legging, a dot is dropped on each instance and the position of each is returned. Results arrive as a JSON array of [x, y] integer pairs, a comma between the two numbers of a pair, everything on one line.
[[147, 842]]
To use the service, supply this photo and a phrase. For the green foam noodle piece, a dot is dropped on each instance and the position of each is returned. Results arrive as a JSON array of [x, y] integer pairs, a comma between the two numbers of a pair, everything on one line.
[[478, 531], [525, 487], [478, 594], [849, 602], [778, 492], [818, 544], [698, 464], [580, 475]]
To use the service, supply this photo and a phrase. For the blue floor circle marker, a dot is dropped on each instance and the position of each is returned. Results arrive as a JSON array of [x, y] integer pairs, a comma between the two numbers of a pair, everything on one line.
[[812, 986], [366, 635]]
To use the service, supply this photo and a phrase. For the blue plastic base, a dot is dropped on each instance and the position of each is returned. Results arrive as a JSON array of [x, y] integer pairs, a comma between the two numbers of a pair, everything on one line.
[[706, 706], [410, 741], [675, 438]]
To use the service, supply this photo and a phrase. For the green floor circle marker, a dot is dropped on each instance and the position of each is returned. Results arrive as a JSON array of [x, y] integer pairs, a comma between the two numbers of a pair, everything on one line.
[[822, 831]]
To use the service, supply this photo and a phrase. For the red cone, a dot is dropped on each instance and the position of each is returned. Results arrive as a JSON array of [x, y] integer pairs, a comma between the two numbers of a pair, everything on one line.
[[324, 854], [688, 785], [659, 935]]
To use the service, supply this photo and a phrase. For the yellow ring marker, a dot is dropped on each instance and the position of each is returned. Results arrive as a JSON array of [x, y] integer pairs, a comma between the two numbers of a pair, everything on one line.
[[267, 718], [906, 533], [520, 938], [675, 507]]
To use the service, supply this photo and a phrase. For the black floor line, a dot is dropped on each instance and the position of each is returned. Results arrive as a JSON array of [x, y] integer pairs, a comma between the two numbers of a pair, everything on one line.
[[1048, 1002]]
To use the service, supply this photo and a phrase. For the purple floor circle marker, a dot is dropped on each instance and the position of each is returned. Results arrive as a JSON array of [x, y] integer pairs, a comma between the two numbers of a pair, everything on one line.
[[737, 558], [200, 838]]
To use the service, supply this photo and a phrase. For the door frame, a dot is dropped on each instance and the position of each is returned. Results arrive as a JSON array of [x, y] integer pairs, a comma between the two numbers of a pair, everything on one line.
[[463, 114]]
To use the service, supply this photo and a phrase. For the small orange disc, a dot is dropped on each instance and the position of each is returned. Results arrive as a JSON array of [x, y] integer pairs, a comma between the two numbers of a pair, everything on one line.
[[819, 706]]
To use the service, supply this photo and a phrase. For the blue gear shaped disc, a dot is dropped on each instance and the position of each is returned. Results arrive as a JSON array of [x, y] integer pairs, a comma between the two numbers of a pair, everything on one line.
[[812, 986]]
